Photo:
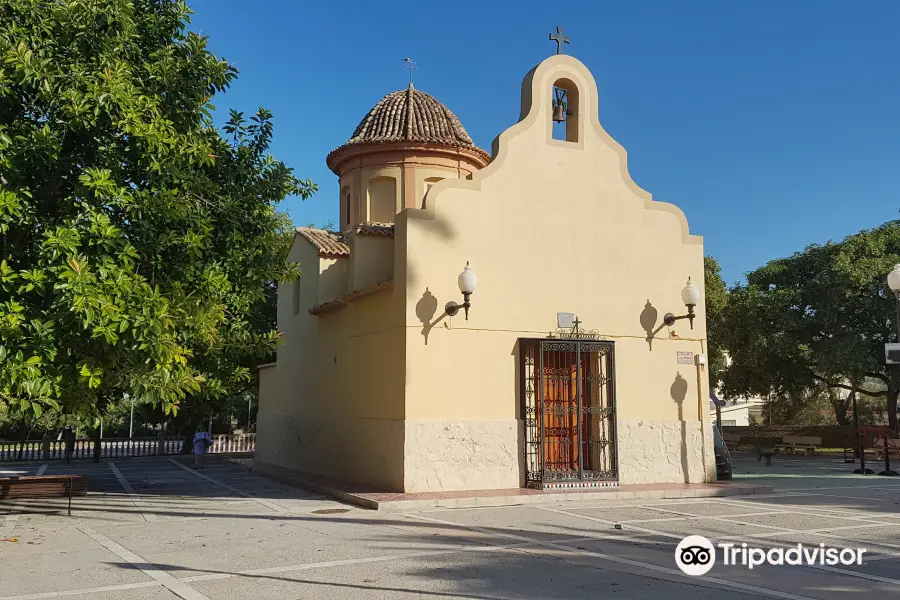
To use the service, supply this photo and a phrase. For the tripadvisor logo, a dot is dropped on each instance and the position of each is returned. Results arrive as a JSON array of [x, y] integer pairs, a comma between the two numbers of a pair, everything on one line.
[[695, 555]]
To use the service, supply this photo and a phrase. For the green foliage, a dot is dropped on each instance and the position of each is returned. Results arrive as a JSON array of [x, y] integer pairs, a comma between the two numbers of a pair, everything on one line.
[[329, 226], [870, 411], [140, 247], [716, 297], [798, 407], [821, 316]]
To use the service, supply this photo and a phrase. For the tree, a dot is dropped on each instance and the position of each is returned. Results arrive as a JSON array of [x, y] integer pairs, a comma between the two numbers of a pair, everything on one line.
[[821, 316], [140, 247], [716, 297], [798, 407]]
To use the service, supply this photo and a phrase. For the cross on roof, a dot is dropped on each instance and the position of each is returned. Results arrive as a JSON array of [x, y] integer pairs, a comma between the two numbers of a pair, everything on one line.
[[559, 38]]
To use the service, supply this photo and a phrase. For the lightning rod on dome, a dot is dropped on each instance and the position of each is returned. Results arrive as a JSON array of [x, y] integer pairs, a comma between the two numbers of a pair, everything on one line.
[[409, 64]]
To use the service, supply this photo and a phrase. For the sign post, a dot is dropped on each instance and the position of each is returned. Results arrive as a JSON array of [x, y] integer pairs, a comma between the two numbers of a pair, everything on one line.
[[892, 353], [719, 404]]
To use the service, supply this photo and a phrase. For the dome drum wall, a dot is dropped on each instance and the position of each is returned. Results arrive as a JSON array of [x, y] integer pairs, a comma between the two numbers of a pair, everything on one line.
[[413, 166], [465, 160]]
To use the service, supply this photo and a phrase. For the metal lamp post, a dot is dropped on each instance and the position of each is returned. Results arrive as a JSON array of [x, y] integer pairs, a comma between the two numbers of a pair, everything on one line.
[[893, 281], [131, 420]]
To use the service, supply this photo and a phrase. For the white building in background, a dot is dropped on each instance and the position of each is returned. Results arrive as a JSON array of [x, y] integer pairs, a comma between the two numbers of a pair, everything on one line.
[[738, 411], [744, 411]]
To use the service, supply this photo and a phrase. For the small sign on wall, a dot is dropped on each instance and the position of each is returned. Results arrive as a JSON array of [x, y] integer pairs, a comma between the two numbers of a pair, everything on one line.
[[565, 320], [685, 358]]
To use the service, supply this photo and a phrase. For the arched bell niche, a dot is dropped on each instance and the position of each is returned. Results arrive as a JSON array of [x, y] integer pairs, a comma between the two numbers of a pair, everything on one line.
[[565, 110]]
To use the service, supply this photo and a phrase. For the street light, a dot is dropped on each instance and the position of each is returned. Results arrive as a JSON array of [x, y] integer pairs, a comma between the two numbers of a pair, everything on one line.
[[131, 421], [690, 295], [893, 281]]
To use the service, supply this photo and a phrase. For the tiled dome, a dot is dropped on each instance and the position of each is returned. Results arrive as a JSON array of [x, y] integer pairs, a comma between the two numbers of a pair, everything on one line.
[[410, 116]]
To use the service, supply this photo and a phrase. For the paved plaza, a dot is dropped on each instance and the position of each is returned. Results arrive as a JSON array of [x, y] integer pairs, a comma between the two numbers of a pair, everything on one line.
[[155, 528]]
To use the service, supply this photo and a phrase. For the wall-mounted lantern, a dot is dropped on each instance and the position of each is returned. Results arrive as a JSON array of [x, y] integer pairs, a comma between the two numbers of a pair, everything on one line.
[[690, 295], [466, 281]]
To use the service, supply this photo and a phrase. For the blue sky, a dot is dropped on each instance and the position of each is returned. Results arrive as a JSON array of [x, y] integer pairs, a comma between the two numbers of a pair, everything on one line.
[[772, 124]]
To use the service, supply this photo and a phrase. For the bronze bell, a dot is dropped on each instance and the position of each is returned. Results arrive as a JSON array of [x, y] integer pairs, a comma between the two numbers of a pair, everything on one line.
[[559, 114]]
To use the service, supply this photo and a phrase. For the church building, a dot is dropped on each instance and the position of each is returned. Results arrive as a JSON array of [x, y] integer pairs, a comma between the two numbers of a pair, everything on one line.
[[524, 318]]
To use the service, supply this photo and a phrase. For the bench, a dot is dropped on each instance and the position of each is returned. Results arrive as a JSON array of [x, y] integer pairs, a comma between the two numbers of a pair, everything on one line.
[[892, 449], [40, 487], [732, 440], [808, 443]]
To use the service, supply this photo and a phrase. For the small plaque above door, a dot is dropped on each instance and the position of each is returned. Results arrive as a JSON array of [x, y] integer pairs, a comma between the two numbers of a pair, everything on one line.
[[565, 320]]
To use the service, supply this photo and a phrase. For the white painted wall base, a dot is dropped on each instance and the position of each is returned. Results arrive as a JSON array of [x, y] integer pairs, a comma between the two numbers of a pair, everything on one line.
[[444, 455], [426, 455], [665, 452]]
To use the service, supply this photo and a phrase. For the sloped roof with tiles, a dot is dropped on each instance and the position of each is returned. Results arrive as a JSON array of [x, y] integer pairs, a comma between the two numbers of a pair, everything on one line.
[[375, 228], [410, 115], [329, 243]]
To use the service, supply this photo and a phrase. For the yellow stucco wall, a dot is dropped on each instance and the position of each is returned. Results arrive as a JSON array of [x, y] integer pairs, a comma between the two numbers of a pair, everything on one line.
[[371, 259], [333, 402], [426, 176], [550, 226]]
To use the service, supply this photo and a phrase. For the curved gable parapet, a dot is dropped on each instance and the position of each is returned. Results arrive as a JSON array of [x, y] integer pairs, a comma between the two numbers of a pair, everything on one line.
[[534, 113]]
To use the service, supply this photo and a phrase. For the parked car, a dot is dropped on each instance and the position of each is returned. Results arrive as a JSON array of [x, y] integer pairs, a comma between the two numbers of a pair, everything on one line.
[[723, 457]]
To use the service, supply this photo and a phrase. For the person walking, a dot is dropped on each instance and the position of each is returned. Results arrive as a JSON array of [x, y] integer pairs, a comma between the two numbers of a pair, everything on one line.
[[69, 440], [202, 443]]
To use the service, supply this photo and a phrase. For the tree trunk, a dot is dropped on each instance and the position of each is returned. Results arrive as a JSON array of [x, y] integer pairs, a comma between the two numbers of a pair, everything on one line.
[[840, 406], [840, 413]]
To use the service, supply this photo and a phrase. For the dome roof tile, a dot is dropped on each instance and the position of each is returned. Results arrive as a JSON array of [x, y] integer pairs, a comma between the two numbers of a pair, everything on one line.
[[410, 115]]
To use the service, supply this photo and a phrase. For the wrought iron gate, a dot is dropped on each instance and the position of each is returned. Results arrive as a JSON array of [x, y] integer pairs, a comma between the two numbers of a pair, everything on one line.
[[569, 409]]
